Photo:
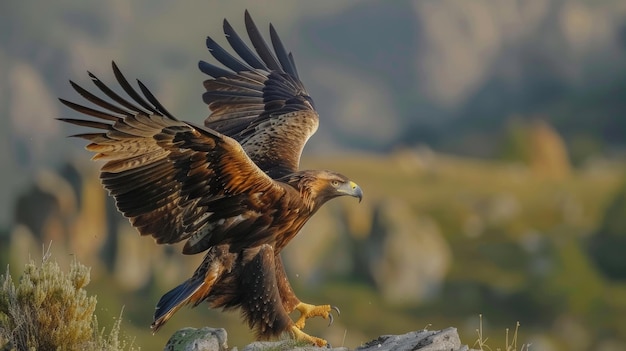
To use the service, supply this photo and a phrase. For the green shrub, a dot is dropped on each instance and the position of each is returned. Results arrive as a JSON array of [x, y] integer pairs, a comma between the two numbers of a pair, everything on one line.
[[50, 310]]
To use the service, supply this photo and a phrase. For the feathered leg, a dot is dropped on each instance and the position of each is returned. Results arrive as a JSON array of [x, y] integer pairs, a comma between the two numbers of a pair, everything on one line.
[[262, 304], [291, 301]]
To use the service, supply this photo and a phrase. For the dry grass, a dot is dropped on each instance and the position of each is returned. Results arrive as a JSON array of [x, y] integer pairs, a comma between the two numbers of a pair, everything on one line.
[[510, 345], [50, 310]]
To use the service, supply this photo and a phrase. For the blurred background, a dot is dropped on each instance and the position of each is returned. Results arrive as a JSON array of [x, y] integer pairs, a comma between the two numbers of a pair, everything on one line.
[[489, 137]]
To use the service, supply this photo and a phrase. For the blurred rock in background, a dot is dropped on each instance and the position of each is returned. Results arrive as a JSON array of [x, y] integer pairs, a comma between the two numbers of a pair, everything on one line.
[[406, 255]]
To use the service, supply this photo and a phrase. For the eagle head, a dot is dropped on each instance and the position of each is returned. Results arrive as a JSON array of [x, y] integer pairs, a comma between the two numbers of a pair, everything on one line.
[[317, 187]]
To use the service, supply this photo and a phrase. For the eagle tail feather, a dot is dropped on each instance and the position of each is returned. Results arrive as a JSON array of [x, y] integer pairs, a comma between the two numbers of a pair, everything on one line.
[[174, 299]]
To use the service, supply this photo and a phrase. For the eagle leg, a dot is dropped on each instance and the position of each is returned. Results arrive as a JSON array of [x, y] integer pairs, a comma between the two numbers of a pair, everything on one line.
[[292, 303], [307, 311], [299, 335], [264, 305]]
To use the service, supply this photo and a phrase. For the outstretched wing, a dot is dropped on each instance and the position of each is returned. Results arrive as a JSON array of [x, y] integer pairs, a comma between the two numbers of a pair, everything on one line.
[[258, 100], [173, 180]]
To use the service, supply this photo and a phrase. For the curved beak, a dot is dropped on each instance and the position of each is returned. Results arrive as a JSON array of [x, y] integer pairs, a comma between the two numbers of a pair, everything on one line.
[[352, 189]]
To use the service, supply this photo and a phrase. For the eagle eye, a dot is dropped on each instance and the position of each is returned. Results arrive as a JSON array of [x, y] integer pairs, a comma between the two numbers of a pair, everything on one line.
[[335, 183]]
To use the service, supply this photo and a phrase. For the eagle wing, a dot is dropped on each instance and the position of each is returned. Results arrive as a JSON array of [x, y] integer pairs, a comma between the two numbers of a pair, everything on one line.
[[173, 180], [259, 100]]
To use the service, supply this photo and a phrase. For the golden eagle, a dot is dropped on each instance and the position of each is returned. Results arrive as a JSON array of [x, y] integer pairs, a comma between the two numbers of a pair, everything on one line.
[[231, 188]]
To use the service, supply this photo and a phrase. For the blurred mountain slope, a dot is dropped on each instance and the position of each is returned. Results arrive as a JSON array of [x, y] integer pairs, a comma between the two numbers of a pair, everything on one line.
[[437, 239], [384, 75]]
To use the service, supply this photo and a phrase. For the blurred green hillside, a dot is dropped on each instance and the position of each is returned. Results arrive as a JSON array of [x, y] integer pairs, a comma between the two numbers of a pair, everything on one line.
[[520, 247], [514, 245]]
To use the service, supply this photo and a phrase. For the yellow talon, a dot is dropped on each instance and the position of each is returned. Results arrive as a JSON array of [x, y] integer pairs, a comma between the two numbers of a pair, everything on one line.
[[307, 311], [299, 335]]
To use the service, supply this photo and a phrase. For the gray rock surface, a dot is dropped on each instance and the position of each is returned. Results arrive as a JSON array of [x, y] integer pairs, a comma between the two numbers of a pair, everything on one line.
[[286, 345], [192, 339], [209, 339], [423, 340]]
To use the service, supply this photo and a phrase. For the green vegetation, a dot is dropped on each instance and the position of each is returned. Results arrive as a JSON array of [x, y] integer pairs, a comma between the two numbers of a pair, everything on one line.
[[524, 247], [50, 310], [519, 242]]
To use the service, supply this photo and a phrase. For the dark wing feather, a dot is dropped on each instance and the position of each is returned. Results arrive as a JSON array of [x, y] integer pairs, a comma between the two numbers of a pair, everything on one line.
[[258, 100], [148, 94], [241, 48], [224, 57], [259, 44], [173, 180], [286, 63]]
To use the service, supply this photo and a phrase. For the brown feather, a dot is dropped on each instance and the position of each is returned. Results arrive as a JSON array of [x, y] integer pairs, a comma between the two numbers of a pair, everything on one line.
[[231, 188], [267, 110]]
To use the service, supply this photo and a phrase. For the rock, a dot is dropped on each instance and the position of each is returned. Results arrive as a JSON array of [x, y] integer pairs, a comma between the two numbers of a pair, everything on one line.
[[539, 146], [192, 339], [423, 340], [30, 133], [548, 153], [286, 345], [406, 256]]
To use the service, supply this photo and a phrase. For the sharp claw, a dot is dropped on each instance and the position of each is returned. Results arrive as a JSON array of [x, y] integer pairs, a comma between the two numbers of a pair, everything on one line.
[[330, 315]]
